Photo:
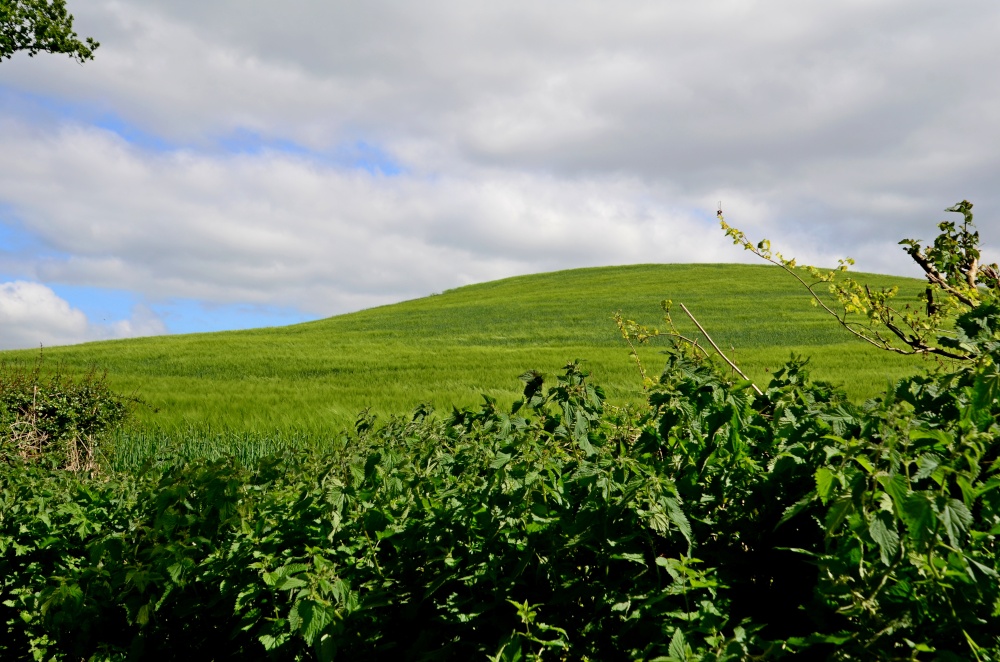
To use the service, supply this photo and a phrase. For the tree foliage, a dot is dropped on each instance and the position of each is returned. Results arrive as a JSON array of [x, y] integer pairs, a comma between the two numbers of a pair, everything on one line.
[[41, 26]]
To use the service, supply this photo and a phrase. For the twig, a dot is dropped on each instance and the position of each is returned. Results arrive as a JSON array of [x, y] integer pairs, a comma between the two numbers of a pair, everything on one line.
[[693, 343], [725, 358]]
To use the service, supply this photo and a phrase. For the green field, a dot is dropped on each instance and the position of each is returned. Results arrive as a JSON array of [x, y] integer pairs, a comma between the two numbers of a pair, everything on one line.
[[448, 349]]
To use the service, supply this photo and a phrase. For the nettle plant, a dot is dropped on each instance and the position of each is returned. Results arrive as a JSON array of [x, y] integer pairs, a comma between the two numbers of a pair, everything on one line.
[[870, 530]]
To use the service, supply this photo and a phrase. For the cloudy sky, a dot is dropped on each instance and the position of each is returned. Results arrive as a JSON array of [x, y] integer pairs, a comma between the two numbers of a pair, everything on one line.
[[225, 164]]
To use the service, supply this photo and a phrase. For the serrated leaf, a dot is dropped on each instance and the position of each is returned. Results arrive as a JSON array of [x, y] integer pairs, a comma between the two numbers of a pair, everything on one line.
[[500, 460], [270, 642], [926, 464], [941, 438], [986, 570], [796, 508], [175, 571], [956, 519], [678, 517], [314, 619], [865, 463], [991, 484], [824, 484], [839, 511], [882, 530], [678, 648], [897, 488], [918, 515]]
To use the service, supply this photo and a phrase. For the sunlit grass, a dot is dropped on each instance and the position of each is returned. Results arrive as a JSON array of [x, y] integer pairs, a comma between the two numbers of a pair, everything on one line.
[[450, 348]]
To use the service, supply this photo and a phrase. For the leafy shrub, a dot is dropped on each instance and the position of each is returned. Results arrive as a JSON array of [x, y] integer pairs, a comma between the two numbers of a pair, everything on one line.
[[55, 417], [716, 524]]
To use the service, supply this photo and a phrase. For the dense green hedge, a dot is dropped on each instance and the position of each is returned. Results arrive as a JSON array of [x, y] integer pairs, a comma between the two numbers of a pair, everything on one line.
[[713, 524], [56, 418]]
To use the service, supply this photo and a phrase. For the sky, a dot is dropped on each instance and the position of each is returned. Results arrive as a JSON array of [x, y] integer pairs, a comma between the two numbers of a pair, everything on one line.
[[225, 164]]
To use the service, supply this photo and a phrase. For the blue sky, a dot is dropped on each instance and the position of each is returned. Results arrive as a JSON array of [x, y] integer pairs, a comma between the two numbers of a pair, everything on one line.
[[231, 165]]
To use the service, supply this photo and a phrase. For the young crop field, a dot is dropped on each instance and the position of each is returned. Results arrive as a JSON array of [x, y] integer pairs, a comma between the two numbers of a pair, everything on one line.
[[451, 348]]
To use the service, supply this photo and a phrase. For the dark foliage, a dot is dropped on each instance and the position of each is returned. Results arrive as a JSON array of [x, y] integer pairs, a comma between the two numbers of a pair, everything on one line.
[[41, 26]]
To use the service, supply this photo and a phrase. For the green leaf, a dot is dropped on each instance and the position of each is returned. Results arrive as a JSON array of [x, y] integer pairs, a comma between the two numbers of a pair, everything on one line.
[[918, 515], [943, 439], [881, 528], [986, 570], [956, 519], [678, 517], [839, 511], [926, 464], [678, 649], [282, 580], [865, 463], [500, 460], [824, 484], [991, 484], [796, 508], [897, 488], [313, 618]]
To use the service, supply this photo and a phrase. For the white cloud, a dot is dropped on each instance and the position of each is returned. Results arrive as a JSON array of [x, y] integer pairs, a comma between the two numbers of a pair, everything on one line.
[[279, 230], [31, 314]]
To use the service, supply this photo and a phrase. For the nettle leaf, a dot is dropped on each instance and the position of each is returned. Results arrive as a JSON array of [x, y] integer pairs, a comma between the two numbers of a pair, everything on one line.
[[865, 463], [839, 511], [311, 618], [796, 508], [272, 642], [957, 519], [281, 579], [989, 485], [882, 530], [824, 484], [501, 460], [897, 487], [678, 517], [918, 514], [926, 464], [937, 439], [986, 570], [678, 650]]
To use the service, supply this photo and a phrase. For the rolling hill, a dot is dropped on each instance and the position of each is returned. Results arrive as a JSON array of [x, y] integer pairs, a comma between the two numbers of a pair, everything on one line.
[[448, 349]]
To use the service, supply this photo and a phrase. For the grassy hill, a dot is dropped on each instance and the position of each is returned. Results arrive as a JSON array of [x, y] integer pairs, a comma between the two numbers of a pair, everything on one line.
[[449, 348]]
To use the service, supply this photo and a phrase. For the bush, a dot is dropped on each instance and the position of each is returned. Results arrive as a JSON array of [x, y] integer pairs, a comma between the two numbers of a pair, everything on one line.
[[56, 418]]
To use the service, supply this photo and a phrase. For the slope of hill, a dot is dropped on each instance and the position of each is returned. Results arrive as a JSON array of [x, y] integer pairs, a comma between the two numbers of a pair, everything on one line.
[[452, 347]]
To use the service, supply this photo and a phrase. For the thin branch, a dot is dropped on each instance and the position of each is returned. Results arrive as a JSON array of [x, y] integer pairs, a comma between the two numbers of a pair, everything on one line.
[[635, 355], [725, 358], [693, 343], [935, 277], [916, 346]]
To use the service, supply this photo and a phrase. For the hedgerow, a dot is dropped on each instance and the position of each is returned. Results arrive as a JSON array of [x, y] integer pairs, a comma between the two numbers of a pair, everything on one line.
[[56, 418], [719, 522]]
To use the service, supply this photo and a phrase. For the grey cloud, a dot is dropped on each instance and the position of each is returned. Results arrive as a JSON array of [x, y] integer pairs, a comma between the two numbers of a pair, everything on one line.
[[274, 229]]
